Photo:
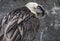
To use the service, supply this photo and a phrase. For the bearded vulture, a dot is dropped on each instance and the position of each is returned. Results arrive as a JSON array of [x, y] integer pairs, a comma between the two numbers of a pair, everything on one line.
[[22, 23]]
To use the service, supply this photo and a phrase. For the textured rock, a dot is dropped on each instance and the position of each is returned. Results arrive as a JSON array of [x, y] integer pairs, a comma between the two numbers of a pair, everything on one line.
[[49, 25]]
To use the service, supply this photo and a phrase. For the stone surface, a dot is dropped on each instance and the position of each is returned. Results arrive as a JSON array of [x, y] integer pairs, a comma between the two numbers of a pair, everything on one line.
[[49, 25]]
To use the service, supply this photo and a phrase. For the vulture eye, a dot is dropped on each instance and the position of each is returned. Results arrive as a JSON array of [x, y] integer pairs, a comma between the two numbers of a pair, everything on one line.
[[39, 7]]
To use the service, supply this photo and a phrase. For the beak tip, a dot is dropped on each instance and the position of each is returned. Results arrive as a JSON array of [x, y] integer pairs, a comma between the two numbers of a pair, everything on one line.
[[46, 12]]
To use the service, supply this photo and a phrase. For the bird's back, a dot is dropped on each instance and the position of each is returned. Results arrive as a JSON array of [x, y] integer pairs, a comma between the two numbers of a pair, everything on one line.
[[20, 24]]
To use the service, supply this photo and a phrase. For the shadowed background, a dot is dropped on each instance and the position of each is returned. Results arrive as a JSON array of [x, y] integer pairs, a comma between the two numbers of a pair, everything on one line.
[[49, 25]]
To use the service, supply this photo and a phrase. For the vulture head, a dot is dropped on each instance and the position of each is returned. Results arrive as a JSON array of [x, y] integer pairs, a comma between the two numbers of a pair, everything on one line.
[[36, 8]]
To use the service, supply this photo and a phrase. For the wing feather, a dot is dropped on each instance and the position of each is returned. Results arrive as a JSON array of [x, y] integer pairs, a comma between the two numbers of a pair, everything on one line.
[[12, 22]]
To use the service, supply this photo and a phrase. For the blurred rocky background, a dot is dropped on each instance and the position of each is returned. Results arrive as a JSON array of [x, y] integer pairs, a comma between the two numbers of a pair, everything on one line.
[[49, 25]]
